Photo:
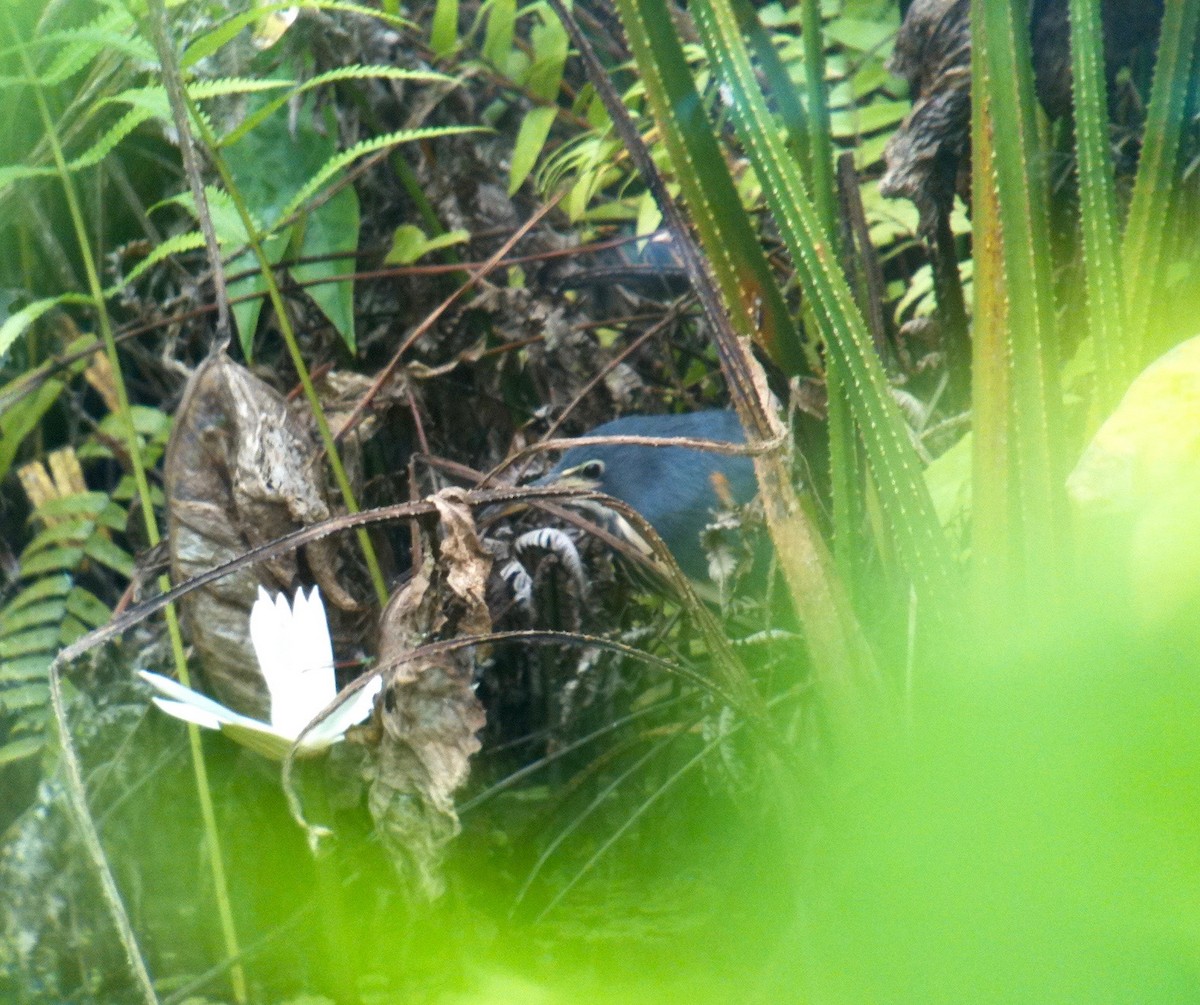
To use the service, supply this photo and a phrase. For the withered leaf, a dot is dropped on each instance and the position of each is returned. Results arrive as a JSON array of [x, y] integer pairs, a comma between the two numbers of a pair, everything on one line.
[[927, 155], [933, 53], [429, 712], [465, 561], [241, 470]]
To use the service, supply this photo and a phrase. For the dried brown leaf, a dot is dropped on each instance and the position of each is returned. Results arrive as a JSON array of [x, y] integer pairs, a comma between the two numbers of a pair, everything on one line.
[[926, 156], [429, 712], [241, 470], [933, 53], [466, 563]]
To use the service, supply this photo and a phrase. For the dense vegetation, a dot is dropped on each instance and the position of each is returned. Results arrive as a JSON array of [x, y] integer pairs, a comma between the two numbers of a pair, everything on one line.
[[294, 292]]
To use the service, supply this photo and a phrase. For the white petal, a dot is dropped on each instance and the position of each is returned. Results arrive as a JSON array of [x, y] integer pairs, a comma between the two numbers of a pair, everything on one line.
[[191, 706], [307, 685], [267, 633], [353, 709], [188, 713]]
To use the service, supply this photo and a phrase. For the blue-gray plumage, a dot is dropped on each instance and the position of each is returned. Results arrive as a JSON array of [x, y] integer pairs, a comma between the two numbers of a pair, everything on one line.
[[674, 488]]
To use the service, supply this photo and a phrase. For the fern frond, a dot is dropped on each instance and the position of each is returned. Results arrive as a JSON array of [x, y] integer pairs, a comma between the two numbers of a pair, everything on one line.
[[357, 72], [125, 125], [31, 632], [221, 87], [335, 164], [176, 244], [154, 99], [73, 48], [55, 559], [227, 30], [11, 173], [369, 71], [395, 20], [88, 45], [17, 322]]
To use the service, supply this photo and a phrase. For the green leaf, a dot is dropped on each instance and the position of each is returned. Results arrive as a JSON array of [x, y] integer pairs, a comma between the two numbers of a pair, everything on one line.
[[69, 532], [52, 560], [43, 589], [87, 44], [268, 166], [22, 412], [333, 166], [949, 481], [330, 239], [16, 324], [1098, 204], [498, 39], [174, 245], [894, 466], [747, 284], [23, 669], [36, 640], [104, 551], [1019, 503], [264, 111], [22, 749], [443, 34], [409, 243], [108, 142], [32, 615], [869, 119], [87, 607], [19, 172], [1156, 187], [549, 42], [535, 129], [88, 504], [28, 696]]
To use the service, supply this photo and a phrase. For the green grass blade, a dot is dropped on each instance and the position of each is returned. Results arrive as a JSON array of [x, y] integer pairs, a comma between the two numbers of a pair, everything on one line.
[[893, 463], [1156, 185], [1098, 205], [1015, 317], [820, 137], [739, 265]]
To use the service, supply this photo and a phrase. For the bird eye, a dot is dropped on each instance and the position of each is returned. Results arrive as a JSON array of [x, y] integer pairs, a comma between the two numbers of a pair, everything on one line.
[[592, 469]]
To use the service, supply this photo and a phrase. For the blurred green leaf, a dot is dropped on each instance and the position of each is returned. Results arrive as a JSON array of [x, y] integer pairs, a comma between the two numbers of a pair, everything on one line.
[[409, 243], [535, 128], [443, 33], [498, 39], [19, 750], [270, 165]]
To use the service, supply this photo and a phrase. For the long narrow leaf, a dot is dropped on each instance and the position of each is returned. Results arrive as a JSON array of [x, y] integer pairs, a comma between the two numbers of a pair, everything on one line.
[[1105, 300], [738, 262], [1155, 185], [846, 477], [1016, 316], [904, 497]]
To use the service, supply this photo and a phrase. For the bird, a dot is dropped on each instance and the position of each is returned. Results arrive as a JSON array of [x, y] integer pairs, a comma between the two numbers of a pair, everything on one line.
[[677, 489]]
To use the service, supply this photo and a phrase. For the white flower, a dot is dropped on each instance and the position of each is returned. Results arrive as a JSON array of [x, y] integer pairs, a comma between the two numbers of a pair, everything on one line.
[[296, 658]]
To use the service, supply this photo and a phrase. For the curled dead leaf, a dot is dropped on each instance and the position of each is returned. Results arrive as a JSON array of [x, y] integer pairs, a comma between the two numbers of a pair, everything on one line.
[[241, 470], [926, 158], [429, 713]]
